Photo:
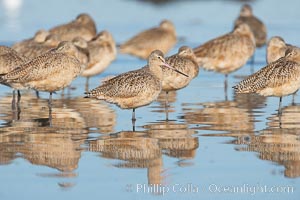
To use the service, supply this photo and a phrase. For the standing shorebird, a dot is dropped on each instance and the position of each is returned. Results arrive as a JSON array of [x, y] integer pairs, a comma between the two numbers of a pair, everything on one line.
[[276, 49], [256, 25], [10, 60], [83, 26], [227, 53], [136, 88], [142, 44], [49, 72], [279, 78], [38, 48], [102, 51], [184, 61], [39, 37]]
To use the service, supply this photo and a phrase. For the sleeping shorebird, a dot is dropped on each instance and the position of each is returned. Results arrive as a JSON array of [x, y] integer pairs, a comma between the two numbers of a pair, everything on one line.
[[184, 61], [227, 53], [102, 51], [10, 60], [48, 72], [83, 26], [279, 78], [276, 48], [136, 88], [256, 25], [39, 37], [141, 45]]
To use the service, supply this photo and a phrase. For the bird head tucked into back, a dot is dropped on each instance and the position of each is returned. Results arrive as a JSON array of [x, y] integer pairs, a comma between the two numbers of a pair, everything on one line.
[[293, 54], [186, 52], [246, 11], [276, 41], [41, 35], [80, 42], [84, 18], [167, 25], [104, 36], [244, 29], [67, 48]]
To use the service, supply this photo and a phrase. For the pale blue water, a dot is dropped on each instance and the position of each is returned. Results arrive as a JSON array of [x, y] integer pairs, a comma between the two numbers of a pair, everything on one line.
[[211, 148]]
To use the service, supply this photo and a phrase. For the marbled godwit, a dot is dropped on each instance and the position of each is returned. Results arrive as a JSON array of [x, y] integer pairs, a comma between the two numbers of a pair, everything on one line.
[[102, 51], [83, 53], [184, 61], [40, 36], [279, 78], [227, 53], [38, 48], [257, 26], [136, 88], [141, 45], [276, 48], [49, 72], [10, 60], [83, 26]]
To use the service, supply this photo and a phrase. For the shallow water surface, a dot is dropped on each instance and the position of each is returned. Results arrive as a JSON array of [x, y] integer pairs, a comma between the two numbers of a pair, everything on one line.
[[212, 146]]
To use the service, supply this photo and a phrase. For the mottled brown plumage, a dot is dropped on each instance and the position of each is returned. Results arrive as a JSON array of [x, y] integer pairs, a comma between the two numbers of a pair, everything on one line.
[[133, 89], [142, 44], [102, 51], [257, 26], [49, 72], [184, 61], [279, 78], [38, 48], [10, 60], [276, 48], [83, 26], [39, 37], [227, 53]]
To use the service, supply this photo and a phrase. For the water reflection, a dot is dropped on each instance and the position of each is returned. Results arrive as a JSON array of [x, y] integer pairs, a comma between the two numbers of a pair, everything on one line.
[[26, 133], [220, 116], [275, 143], [175, 139], [145, 149], [136, 149]]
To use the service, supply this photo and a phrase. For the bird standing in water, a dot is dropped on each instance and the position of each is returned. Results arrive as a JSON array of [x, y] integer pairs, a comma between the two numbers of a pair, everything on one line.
[[279, 78], [136, 88]]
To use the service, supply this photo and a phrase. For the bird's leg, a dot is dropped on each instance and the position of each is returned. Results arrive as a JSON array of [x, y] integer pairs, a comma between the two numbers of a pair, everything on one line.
[[252, 63], [166, 106], [133, 115], [50, 100], [13, 102], [294, 95], [37, 94], [225, 86], [133, 119], [279, 107], [87, 84], [19, 97], [50, 109]]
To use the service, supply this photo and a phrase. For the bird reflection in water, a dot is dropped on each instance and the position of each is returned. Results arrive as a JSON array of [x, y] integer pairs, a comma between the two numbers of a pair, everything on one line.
[[219, 116], [28, 135], [175, 140], [162, 98], [135, 149]]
